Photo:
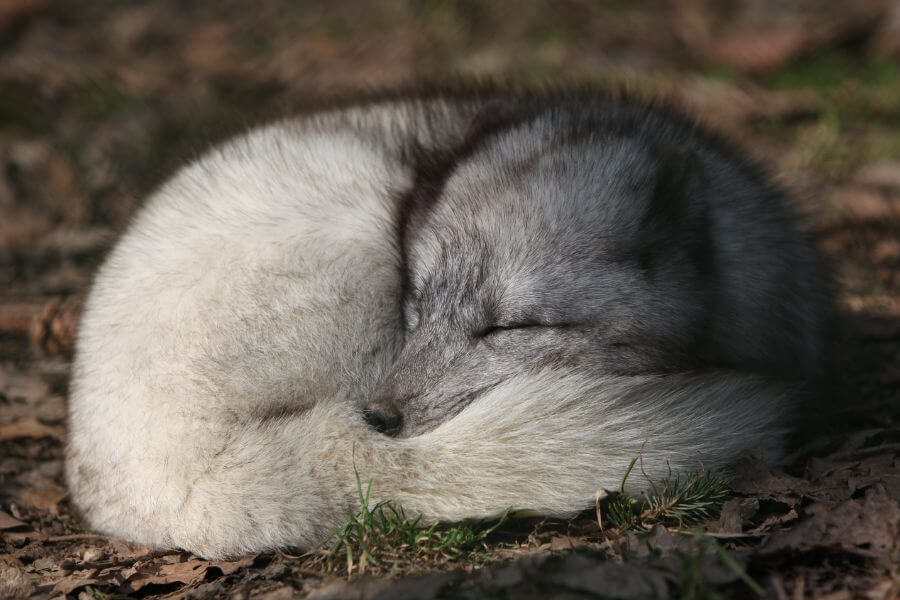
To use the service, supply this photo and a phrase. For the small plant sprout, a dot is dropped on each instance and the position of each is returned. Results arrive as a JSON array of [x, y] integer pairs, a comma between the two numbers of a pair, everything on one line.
[[678, 501]]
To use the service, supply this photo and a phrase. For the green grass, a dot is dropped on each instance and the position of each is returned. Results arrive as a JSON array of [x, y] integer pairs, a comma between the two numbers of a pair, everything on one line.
[[381, 538], [858, 98], [856, 87], [834, 68]]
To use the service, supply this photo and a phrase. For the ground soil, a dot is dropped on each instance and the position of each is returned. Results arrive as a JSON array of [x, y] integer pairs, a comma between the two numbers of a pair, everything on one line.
[[101, 100]]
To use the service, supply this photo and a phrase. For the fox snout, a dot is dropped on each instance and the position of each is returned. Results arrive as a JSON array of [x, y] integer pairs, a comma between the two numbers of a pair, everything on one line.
[[383, 415], [436, 375]]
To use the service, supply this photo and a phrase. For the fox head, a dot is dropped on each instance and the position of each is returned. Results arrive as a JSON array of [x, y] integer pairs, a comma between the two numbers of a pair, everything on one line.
[[550, 244]]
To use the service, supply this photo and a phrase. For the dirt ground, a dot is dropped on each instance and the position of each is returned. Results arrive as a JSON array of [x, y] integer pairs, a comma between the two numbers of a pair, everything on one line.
[[101, 100]]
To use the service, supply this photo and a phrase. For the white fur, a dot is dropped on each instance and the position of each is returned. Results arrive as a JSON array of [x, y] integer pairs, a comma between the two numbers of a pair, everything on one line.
[[239, 325]]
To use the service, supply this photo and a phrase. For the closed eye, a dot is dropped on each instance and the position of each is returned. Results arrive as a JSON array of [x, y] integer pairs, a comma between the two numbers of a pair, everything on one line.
[[493, 329]]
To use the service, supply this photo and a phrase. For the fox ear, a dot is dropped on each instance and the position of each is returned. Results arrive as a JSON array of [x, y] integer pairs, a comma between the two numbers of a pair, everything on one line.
[[678, 202], [678, 197]]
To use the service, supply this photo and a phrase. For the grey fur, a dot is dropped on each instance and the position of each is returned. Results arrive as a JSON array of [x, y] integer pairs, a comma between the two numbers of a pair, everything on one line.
[[603, 236], [546, 285]]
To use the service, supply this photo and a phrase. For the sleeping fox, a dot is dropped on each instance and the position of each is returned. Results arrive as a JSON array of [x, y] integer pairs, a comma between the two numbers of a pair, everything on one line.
[[479, 300]]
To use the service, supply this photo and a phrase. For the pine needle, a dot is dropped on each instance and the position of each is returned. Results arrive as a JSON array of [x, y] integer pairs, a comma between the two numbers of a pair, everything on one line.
[[678, 501]]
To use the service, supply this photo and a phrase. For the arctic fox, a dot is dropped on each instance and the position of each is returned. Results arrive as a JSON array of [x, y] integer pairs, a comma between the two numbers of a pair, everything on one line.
[[530, 290]]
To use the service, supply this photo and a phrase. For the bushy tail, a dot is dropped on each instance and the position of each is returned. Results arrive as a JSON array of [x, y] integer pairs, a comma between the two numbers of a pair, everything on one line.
[[543, 442]]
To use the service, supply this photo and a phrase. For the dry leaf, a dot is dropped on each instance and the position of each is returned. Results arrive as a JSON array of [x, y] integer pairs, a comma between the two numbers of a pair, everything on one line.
[[884, 175], [187, 572], [21, 387], [10, 523], [868, 526], [564, 542], [44, 498], [285, 592], [14, 582], [730, 518], [29, 427], [69, 583], [754, 477], [53, 329]]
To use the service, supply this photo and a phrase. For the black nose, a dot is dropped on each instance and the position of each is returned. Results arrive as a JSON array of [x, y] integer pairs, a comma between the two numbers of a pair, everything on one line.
[[387, 421]]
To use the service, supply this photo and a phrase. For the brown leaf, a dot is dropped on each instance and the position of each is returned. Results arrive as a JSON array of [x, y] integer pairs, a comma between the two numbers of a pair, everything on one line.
[[284, 592], [730, 517], [758, 50], [754, 477], [46, 497], [564, 542], [884, 175], [69, 583], [10, 523], [14, 583], [15, 317], [22, 387], [657, 541], [860, 203], [29, 427], [761, 38], [53, 329], [187, 572], [869, 526]]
